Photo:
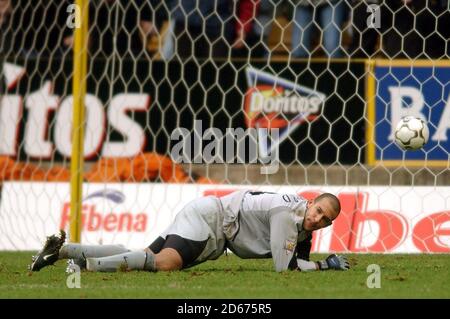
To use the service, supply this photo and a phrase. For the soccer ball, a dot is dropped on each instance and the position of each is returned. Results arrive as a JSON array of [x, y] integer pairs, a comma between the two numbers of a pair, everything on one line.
[[411, 133]]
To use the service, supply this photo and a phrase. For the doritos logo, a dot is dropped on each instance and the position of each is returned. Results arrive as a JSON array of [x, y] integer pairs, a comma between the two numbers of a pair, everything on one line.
[[272, 102]]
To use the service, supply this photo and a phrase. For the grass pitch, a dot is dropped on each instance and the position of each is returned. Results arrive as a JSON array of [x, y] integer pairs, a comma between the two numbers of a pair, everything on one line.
[[402, 276]]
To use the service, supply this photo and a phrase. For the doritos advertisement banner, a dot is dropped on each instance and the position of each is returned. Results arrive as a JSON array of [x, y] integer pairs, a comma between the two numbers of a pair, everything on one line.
[[317, 107]]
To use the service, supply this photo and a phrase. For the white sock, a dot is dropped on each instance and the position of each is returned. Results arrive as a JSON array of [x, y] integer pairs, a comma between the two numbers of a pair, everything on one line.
[[76, 251], [134, 260]]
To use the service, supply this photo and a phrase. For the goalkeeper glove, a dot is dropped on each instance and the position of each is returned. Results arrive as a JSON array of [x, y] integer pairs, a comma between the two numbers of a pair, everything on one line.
[[334, 262]]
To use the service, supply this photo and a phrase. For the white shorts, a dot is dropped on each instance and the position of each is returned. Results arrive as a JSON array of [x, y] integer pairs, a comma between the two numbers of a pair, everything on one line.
[[201, 220]]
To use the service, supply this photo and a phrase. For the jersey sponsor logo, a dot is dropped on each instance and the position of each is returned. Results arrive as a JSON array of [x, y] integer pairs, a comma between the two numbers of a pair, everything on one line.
[[289, 246], [273, 102]]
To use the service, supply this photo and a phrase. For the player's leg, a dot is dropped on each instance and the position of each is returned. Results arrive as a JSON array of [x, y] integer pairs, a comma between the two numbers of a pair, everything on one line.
[[165, 259], [157, 245], [49, 254], [194, 237], [168, 259], [133, 260], [55, 249], [178, 253], [78, 252], [173, 253], [139, 260]]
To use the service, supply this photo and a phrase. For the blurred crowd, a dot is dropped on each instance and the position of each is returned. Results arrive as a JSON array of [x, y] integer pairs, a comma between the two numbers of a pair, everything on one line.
[[225, 28]]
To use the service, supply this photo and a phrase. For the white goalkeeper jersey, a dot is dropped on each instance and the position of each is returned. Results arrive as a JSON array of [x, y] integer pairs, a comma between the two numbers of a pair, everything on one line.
[[262, 224]]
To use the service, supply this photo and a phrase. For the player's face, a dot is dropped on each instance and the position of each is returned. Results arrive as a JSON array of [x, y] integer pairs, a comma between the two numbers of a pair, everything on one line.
[[319, 215]]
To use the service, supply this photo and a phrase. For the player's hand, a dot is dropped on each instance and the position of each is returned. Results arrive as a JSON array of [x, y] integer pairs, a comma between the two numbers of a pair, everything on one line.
[[334, 262]]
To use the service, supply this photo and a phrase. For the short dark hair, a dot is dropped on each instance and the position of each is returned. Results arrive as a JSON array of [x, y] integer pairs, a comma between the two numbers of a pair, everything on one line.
[[333, 200]]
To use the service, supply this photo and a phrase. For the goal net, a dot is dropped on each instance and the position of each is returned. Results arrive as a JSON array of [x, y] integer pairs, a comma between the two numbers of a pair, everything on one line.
[[194, 98]]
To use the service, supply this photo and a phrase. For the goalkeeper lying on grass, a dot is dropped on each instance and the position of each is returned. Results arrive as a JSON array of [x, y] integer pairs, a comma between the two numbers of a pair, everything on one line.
[[250, 224]]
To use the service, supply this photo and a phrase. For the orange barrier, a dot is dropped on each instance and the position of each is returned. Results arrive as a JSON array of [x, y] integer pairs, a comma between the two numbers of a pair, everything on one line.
[[146, 167]]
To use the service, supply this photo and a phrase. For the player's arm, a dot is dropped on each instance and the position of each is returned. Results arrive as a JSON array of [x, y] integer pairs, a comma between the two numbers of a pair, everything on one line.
[[335, 262], [301, 260], [283, 239], [304, 248]]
